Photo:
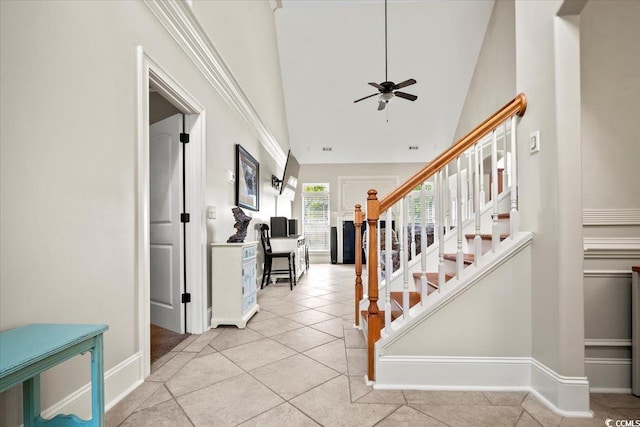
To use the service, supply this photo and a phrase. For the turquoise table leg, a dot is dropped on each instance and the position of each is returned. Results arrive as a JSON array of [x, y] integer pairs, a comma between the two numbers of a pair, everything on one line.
[[97, 383], [31, 400]]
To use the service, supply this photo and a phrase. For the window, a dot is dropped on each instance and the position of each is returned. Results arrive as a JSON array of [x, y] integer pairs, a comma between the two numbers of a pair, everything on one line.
[[315, 216], [414, 206]]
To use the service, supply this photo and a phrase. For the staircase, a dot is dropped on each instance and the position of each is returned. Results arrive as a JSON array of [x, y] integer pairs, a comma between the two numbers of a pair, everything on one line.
[[474, 233]]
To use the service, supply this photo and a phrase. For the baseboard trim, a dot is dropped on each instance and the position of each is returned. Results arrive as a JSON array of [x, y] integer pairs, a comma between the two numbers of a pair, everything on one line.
[[119, 381], [610, 390], [566, 396]]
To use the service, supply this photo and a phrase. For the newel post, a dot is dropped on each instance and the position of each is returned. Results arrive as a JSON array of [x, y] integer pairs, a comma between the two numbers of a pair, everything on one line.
[[358, 218], [374, 321]]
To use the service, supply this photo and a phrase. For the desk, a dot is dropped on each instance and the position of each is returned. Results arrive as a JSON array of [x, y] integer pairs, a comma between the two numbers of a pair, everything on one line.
[[27, 351], [292, 243]]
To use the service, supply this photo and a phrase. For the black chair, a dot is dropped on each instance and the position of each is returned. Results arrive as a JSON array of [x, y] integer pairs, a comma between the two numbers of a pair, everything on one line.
[[269, 255]]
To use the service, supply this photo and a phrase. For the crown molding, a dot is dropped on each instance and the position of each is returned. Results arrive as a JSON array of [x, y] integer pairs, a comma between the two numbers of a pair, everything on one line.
[[599, 217], [178, 19], [617, 274]]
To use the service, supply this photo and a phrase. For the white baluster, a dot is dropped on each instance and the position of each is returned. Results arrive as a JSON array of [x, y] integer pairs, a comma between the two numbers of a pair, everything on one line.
[[441, 228], [388, 270], [412, 226], [477, 240], [459, 253], [514, 215], [495, 232], [483, 196], [469, 184], [506, 173], [423, 244], [447, 200], [404, 207], [380, 261]]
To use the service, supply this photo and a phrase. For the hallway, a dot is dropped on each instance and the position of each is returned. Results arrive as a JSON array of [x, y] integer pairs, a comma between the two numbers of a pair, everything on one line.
[[300, 362]]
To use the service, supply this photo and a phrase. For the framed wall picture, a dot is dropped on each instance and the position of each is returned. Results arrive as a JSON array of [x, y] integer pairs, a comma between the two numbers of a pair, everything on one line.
[[247, 180]]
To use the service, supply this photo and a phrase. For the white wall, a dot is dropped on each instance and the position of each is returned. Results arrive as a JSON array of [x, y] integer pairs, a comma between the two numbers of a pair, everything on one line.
[[68, 166], [610, 86], [494, 79]]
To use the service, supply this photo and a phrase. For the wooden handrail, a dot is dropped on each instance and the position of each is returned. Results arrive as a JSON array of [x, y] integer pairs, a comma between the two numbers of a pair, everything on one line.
[[516, 106]]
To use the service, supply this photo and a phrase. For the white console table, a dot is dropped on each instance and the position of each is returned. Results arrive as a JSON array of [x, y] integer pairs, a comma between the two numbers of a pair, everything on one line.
[[297, 243]]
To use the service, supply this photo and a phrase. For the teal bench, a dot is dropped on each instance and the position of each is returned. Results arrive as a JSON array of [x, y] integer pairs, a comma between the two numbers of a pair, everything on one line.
[[27, 351]]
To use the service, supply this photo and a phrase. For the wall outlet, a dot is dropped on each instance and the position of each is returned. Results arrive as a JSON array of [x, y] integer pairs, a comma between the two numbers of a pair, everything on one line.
[[534, 142]]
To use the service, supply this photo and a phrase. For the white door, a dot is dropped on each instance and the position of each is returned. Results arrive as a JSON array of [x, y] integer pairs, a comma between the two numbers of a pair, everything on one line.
[[165, 195]]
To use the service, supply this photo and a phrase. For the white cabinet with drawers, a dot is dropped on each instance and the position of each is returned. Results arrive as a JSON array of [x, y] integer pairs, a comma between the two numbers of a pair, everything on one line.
[[233, 283]]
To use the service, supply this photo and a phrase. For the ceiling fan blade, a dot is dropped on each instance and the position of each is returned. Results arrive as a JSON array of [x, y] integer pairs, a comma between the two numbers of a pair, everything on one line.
[[362, 99], [406, 96], [381, 105], [376, 85], [405, 84]]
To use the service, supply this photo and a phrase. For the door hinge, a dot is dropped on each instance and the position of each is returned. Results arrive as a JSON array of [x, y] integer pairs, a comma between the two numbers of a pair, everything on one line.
[[184, 217], [184, 138], [186, 298]]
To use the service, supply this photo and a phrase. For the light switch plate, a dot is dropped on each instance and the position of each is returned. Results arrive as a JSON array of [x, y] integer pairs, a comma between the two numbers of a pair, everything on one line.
[[211, 212], [231, 177], [534, 142]]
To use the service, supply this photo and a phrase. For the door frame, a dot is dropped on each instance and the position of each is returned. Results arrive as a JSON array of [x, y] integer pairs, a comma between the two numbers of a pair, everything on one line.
[[149, 73]]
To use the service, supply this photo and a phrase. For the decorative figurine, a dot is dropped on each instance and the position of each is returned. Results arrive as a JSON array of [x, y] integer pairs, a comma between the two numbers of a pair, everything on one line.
[[241, 225]]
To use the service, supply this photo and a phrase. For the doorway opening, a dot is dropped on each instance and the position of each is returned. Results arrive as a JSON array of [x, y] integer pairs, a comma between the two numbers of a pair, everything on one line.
[[171, 237]]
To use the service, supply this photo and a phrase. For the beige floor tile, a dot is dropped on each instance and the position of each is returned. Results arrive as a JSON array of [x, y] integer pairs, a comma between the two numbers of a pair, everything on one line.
[[259, 353], [585, 422], [527, 420], [446, 397], [505, 398], [629, 413], [541, 413], [261, 315], [407, 416], [164, 414], [383, 396], [162, 360], [331, 355], [336, 309], [169, 369], [229, 402], [330, 404], [314, 302], [294, 375], [309, 317], [333, 327], [231, 336], [283, 415], [201, 372], [202, 341], [205, 351], [159, 396], [285, 308], [354, 338], [130, 403], [314, 292], [303, 339], [616, 400], [357, 361], [604, 412], [467, 415], [358, 387], [275, 326], [184, 343]]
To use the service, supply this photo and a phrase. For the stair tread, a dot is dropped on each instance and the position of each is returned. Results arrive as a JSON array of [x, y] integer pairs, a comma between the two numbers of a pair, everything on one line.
[[468, 258], [504, 215], [485, 236], [414, 298]]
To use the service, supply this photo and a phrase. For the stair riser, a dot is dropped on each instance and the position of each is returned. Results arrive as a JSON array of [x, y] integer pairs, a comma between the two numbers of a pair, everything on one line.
[[486, 245]]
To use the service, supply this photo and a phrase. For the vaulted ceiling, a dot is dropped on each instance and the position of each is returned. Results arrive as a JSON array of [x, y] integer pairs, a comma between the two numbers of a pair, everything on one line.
[[331, 49]]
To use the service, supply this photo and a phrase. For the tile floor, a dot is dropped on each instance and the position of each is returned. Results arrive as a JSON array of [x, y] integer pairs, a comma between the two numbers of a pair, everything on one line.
[[299, 362]]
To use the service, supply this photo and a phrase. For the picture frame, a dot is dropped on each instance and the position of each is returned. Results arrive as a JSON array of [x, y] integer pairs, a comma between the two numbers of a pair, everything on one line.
[[247, 180]]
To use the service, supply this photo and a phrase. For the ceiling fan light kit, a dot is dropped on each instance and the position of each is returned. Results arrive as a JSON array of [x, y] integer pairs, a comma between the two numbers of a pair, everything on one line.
[[389, 89]]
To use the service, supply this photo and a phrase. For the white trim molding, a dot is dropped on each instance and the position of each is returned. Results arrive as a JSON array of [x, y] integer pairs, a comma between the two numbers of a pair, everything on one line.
[[119, 381], [567, 396], [611, 247], [608, 375], [600, 274], [605, 342], [179, 20], [603, 217]]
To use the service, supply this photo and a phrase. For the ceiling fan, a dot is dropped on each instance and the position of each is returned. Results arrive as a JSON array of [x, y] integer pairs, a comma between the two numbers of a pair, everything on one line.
[[388, 89]]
